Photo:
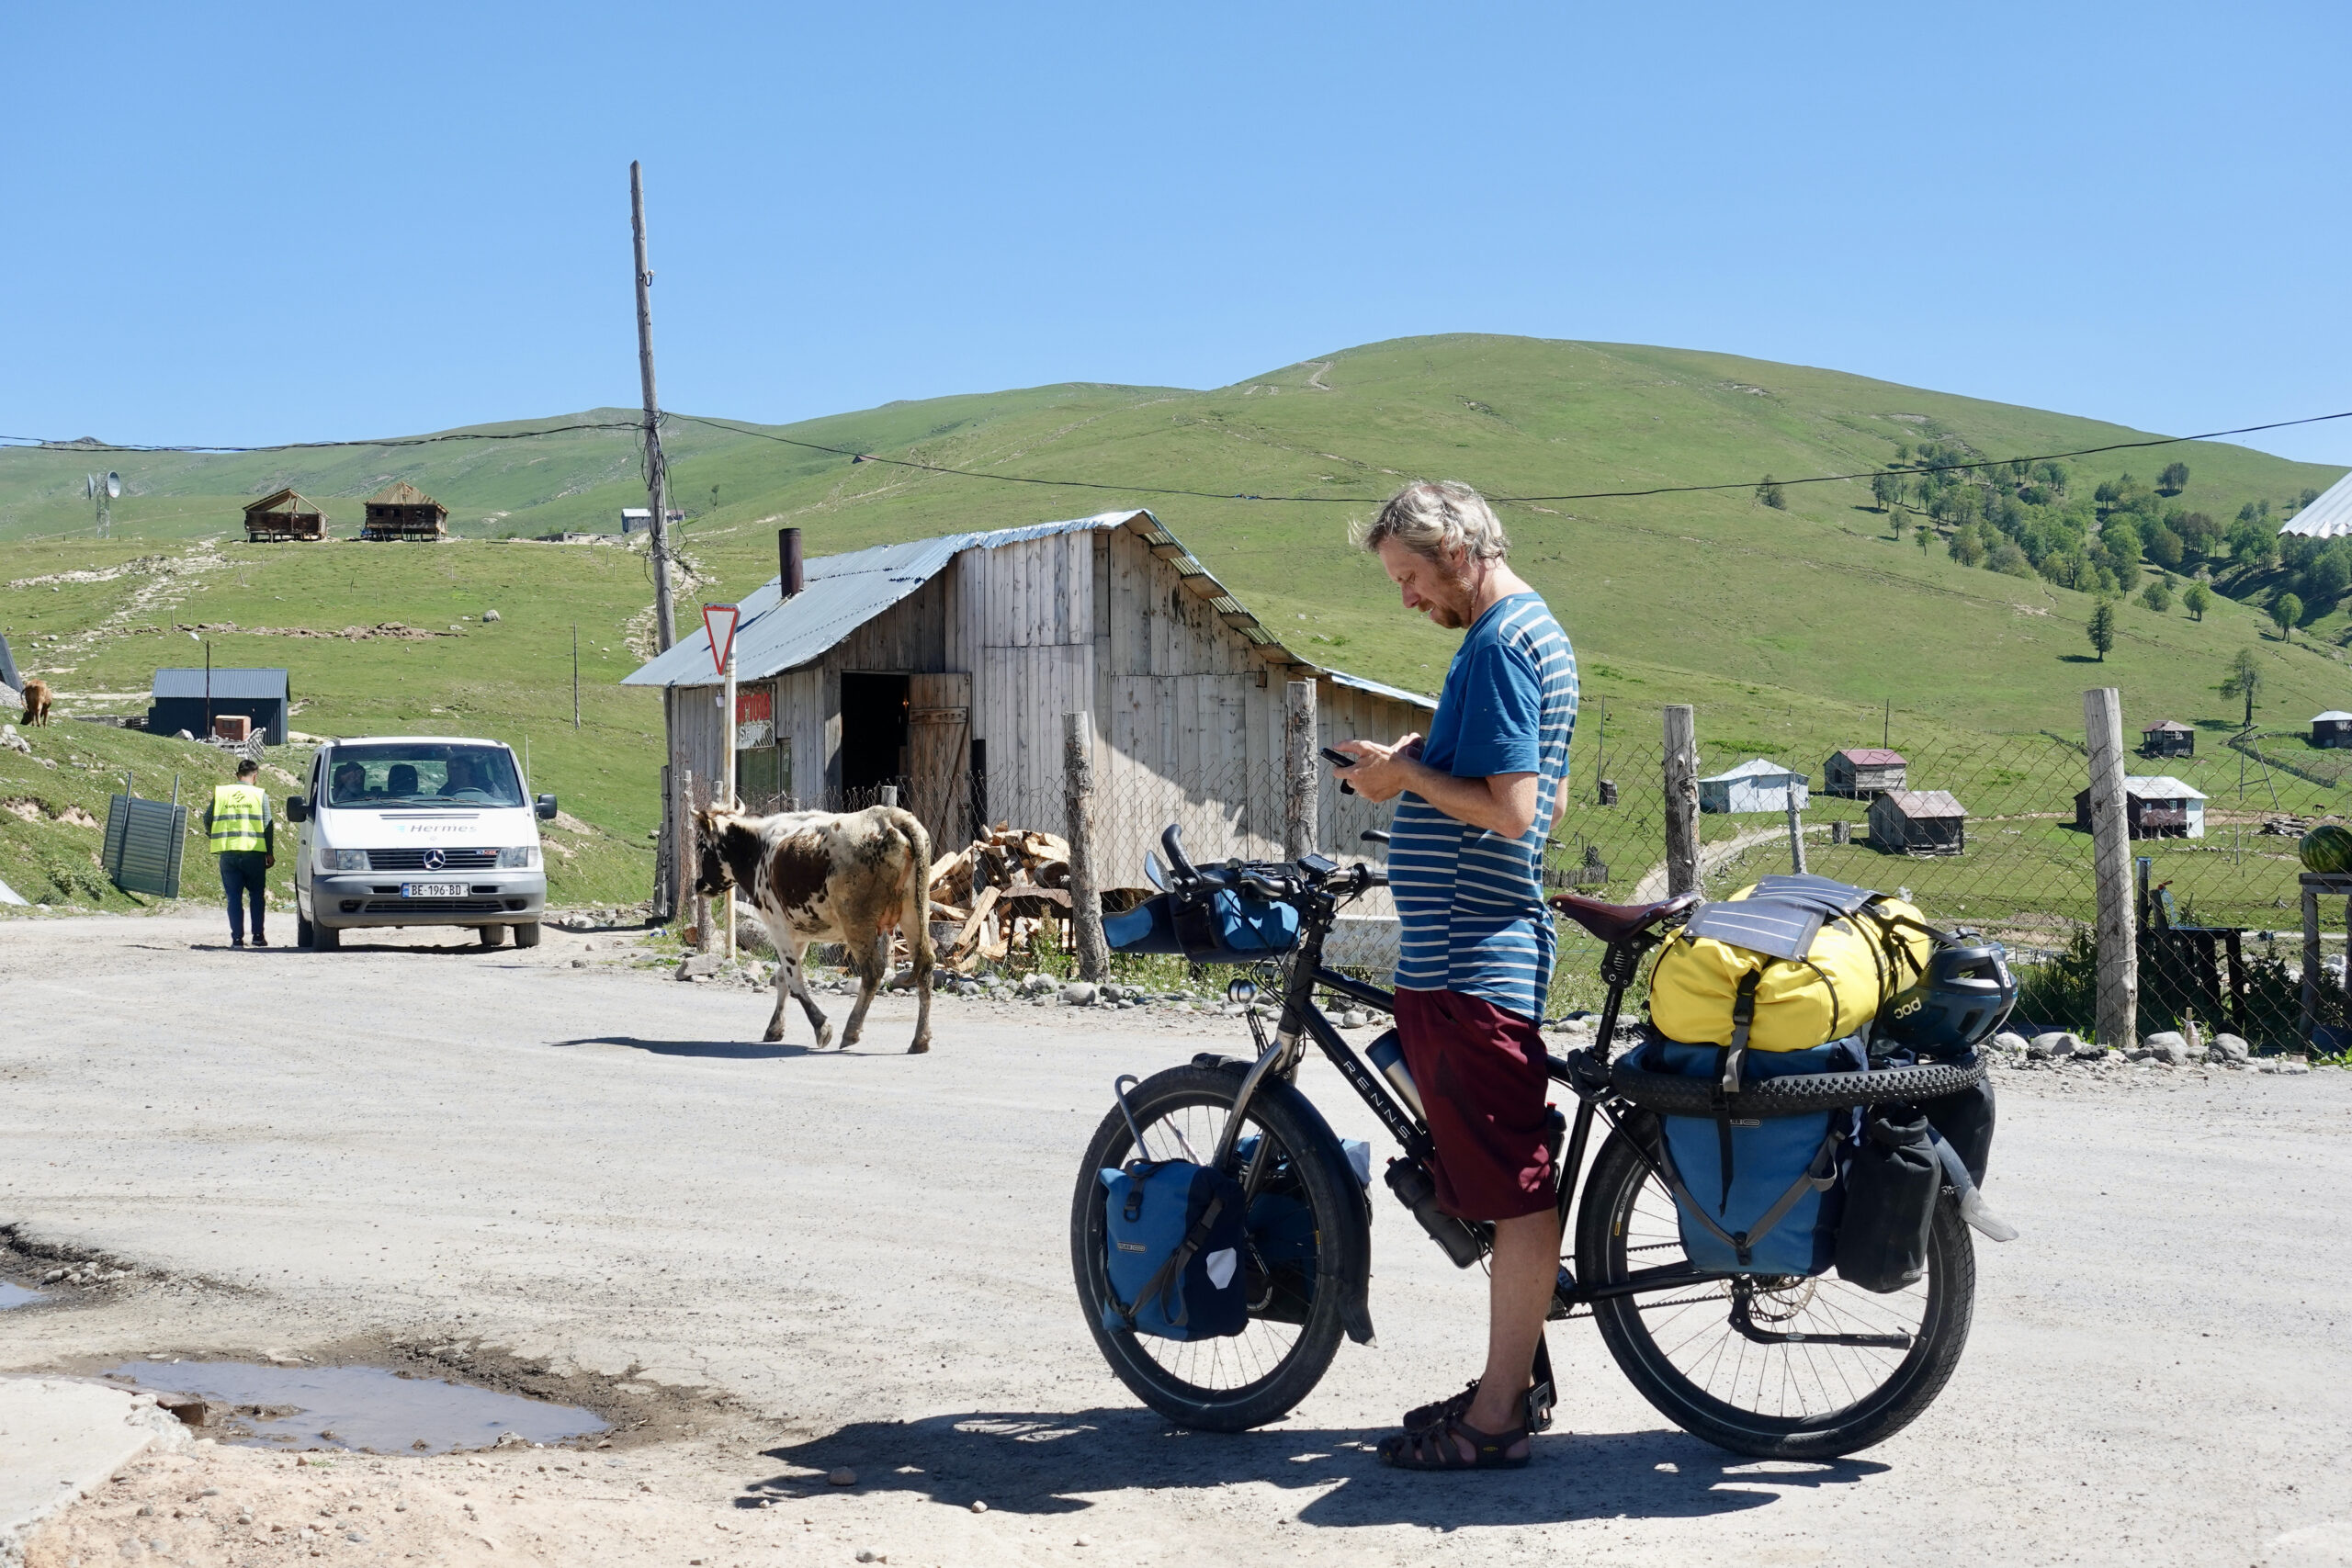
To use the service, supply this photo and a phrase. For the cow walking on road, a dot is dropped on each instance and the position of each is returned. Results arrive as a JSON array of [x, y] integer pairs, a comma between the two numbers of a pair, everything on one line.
[[36, 701], [851, 877]]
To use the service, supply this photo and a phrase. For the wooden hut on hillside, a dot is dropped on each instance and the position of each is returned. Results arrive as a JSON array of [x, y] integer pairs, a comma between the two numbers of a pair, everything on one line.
[[2158, 807], [942, 667], [282, 515], [1756, 785], [2332, 729], [1919, 822], [1860, 772], [2168, 738], [402, 511]]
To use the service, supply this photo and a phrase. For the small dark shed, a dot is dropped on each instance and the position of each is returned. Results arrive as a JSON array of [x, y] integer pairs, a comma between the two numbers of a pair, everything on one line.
[[1919, 822], [1860, 772], [179, 701], [2332, 729], [2168, 738], [286, 515], [2159, 808], [404, 511]]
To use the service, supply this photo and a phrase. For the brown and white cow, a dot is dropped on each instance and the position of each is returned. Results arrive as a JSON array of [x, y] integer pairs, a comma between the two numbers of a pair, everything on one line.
[[36, 701], [851, 877]]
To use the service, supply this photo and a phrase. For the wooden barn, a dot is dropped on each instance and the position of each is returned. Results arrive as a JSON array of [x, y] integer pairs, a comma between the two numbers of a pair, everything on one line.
[[1919, 822], [1756, 785], [2158, 808], [2332, 729], [942, 667], [2168, 738], [1860, 772], [286, 515], [403, 512]]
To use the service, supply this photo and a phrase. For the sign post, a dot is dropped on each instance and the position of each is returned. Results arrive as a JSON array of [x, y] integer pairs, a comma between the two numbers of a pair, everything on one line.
[[718, 623]]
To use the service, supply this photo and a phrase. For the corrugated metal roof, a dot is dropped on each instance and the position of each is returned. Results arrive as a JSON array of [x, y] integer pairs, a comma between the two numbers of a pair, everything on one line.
[[2330, 713], [235, 684], [1754, 768], [1917, 804], [401, 494], [1872, 757], [2168, 726], [2162, 786], [2326, 518], [841, 593]]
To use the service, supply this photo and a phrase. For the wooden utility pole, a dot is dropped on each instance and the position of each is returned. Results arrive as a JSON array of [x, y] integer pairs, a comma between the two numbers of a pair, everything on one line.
[[1085, 893], [2118, 959], [1299, 758], [1681, 800], [575, 676], [657, 473]]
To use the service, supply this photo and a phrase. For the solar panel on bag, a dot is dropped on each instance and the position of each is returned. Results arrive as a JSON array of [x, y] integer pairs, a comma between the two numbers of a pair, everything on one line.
[[143, 845], [1826, 893], [1760, 925]]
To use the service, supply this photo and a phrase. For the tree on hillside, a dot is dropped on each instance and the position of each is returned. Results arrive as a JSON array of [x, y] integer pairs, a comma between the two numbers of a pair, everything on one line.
[[1926, 533], [2053, 474], [1769, 494], [1898, 519], [2100, 628], [2244, 680], [1885, 490], [2157, 597], [2119, 543], [2196, 600], [2305, 499], [1965, 546], [2174, 480], [2285, 611], [2165, 547]]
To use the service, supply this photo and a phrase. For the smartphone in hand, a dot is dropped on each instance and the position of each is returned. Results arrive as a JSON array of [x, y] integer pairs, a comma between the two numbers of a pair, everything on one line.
[[1340, 759]]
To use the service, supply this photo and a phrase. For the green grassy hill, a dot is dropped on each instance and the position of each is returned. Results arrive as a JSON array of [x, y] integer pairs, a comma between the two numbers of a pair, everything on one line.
[[1788, 627]]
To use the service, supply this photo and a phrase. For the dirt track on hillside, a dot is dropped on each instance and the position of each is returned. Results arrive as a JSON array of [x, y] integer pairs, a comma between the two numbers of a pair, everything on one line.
[[591, 1177]]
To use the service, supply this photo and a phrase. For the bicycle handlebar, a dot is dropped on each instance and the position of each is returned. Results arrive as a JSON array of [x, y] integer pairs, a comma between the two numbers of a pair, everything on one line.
[[1276, 881]]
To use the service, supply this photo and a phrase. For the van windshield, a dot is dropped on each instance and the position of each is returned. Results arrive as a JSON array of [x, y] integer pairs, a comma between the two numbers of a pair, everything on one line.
[[422, 774]]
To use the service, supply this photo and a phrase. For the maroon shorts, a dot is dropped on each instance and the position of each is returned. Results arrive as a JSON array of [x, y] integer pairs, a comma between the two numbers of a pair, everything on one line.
[[1480, 1071]]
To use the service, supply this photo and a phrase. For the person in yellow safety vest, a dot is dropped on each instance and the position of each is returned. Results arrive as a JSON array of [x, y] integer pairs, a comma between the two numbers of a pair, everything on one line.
[[238, 827]]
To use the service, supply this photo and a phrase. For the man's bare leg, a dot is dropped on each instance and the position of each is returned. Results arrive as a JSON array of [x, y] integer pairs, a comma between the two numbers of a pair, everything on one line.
[[1525, 1265]]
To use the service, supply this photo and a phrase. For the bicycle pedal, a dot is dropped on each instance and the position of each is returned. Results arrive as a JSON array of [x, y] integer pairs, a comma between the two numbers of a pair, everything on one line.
[[1540, 1402]]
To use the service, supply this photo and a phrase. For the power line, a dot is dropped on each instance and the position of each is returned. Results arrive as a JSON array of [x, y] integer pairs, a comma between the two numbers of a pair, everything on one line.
[[35, 443]]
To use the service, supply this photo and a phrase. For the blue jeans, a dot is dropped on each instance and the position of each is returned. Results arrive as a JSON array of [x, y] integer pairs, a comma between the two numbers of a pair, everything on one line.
[[243, 871]]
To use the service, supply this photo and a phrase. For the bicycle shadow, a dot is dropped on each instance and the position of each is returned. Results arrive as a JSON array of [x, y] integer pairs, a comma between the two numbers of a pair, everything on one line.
[[726, 1050], [1043, 1464]]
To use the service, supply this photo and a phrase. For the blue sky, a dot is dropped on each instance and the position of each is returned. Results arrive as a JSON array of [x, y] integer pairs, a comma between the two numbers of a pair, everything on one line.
[[279, 223]]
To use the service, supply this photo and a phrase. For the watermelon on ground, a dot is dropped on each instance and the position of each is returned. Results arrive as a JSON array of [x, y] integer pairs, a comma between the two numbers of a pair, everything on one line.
[[2327, 849]]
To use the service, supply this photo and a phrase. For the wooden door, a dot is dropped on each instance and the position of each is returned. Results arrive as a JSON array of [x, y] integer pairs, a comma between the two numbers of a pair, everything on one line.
[[939, 751]]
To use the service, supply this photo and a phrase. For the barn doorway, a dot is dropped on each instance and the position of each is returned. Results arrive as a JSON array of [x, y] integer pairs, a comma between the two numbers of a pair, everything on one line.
[[874, 737]]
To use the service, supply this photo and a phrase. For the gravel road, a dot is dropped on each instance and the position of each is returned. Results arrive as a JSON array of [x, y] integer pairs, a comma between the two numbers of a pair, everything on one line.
[[762, 1262]]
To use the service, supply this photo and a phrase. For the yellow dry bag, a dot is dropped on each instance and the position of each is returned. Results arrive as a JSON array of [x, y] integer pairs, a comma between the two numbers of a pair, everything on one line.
[[1834, 986]]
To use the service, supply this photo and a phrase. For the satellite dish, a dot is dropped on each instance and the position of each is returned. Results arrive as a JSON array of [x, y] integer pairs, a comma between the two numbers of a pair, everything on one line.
[[114, 484]]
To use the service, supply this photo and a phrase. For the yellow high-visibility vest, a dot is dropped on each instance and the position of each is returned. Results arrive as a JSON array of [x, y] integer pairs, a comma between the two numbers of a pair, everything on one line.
[[240, 814]]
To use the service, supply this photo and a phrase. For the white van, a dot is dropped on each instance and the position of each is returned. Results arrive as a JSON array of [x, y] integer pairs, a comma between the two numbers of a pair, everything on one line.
[[417, 831]]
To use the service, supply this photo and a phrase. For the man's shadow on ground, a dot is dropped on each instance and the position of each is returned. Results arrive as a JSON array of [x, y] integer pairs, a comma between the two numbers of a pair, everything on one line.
[[1042, 1464], [729, 1050]]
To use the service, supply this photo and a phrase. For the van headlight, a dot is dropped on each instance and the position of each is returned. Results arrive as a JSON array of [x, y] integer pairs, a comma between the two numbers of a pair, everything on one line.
[[342, 859], [521, 857]]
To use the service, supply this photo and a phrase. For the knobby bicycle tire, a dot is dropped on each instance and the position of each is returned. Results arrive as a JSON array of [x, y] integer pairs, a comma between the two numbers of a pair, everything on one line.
[[1672, 1095], [1276, 1111]]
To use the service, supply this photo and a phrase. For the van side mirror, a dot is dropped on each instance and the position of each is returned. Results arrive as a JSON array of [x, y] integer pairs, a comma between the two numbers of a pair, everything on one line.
[[547, 808], [297, 809]]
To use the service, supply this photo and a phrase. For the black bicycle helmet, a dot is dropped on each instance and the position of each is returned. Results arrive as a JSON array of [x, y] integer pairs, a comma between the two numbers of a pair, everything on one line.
[[1962, 997]]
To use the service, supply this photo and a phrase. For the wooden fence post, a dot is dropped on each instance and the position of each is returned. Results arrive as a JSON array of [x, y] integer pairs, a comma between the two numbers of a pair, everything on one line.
[[1085, 895], [665, 852], [690, 893], [1299, 757], [1681, 800], [1796, 833], [2118, 959]]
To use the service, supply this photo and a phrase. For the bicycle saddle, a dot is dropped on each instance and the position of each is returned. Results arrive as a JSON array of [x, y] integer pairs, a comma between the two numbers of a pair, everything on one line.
[[1616, 922]]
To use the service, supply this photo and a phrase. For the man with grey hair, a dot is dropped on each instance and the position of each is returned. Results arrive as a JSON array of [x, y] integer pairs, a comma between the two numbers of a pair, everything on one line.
[[1475, 806]]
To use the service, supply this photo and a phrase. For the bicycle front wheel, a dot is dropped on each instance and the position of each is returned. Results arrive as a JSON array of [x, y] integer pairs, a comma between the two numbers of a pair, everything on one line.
[[1295, 1295], [1770, 1366]]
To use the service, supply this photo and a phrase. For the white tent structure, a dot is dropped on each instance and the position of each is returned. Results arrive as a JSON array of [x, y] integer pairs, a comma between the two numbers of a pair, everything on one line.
[[2329, 517], [1756, 785]]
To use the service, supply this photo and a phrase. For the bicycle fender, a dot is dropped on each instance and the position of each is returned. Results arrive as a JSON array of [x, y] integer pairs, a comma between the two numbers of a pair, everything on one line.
[[1355, 1285]]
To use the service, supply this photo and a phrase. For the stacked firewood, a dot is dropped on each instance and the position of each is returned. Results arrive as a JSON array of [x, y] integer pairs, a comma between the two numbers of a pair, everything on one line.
[[998, 891]]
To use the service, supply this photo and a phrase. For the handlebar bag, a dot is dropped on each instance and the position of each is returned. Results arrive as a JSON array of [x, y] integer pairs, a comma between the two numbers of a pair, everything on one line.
[[1756, 1195], [1147, 928], [1208, 926], [1817, 968], [1173, 1235]]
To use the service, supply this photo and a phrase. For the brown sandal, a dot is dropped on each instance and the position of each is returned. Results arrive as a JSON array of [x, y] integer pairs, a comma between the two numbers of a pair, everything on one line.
[[1421, 1417], [1434, 1447]]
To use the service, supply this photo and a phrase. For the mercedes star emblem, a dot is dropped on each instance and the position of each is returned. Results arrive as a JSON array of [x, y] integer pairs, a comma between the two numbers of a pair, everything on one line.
[[436, 858]]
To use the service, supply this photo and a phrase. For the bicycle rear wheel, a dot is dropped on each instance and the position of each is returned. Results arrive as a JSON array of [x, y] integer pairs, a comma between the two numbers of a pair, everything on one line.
[[1707, 1356], [1295, 1291]]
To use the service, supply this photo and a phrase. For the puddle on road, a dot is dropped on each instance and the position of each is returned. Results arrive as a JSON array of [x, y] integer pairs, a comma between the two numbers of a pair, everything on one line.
[[364, 1408], [18, 1296]]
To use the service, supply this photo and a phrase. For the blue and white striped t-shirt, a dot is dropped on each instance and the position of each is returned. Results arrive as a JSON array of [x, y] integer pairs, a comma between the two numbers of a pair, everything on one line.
[[1471, 902]]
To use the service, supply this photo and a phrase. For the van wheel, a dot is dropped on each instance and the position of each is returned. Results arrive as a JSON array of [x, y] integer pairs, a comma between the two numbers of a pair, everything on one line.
[[491, 935], [528, 935], [325, 939], [303, 932]]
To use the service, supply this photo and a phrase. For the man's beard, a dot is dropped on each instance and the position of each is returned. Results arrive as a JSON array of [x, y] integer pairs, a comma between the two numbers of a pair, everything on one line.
[[1456, 584]]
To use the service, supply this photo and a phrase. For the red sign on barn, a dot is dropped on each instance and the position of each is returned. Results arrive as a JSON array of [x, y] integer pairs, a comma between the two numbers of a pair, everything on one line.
[[753, 707]]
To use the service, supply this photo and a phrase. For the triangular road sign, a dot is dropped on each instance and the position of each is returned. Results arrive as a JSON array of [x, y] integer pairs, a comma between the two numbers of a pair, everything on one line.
[[718, 625]]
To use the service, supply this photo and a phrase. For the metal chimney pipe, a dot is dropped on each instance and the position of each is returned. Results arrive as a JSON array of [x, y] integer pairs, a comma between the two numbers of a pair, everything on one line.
[[787, 558]]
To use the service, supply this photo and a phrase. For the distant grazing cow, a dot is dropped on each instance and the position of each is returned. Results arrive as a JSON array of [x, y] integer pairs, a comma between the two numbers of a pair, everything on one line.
[[850, 878], [36, 701]]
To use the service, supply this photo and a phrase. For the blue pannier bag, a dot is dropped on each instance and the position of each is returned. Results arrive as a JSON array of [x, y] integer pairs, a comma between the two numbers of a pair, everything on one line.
[[1205, 927], [1173, 1235], [1757, 1195]]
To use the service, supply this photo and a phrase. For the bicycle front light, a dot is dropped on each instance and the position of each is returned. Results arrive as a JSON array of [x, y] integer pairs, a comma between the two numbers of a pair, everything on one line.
[[342, 859], [519, 857]]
